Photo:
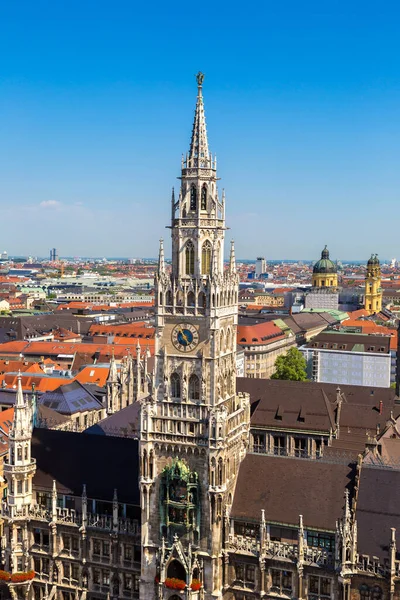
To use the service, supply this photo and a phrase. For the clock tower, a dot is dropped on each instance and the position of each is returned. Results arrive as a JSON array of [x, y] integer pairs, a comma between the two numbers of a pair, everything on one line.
[[194, 427]]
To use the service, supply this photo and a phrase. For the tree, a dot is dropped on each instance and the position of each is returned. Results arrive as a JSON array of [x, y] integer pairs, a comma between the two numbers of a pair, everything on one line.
[[291, 365]]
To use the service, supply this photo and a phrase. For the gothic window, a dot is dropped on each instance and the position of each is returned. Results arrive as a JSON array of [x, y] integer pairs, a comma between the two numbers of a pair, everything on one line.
[[176, 570], [189, 258], [194, 388], [219, 472], [175, 385], [376, 593], [204, 197], [184, 213], [206, 258], [191, 299], [364, 592], [202, 300], [193, 198]]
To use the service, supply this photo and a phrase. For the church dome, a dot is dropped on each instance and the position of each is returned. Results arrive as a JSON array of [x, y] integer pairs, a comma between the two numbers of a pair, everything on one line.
[[325, 265], [373, 260]]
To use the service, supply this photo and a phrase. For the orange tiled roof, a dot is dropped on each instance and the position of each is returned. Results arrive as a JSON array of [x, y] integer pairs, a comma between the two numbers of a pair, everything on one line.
[[371, 327], [260, 334], [138, 329], [42, 383], [93, 374]]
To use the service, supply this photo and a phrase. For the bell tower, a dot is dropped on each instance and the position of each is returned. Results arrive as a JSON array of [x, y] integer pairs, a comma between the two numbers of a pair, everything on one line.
[[373, 290], [194, 427]]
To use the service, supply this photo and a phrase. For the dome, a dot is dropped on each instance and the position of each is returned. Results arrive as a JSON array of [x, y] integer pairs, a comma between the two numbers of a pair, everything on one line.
[[373, 260], [325, 265]]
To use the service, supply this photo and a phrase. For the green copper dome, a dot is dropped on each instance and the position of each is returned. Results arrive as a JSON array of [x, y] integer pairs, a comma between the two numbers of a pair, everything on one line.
[[373, 260], [325, 265]]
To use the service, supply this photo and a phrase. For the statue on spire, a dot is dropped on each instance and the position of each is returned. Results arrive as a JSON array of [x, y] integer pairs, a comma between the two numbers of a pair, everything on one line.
[[200, 78]]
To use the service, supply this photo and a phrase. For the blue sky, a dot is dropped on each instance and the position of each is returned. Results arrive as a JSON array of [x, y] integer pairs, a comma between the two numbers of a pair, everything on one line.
[[302, 105]]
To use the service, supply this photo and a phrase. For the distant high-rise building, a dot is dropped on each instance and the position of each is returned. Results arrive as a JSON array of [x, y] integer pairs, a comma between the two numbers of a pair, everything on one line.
[[53, 255], [261, 266]]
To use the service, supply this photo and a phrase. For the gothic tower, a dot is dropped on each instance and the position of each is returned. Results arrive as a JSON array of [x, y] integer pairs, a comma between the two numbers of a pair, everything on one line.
[[194, 427], [18, 471], [373, 290]]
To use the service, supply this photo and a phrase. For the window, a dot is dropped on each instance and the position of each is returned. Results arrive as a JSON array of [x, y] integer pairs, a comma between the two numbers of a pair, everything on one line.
[[19, 486], [189, 258], [300, 447], [67, 542], [75, 572], [279, 445], [319, 586], [106, 548], [258, 442], [19, 535], [96, 547], [250, 573], [193, 198], [75, 543], [105, 578], [127, 581], [194, 388], [67, 570], [281, 581], [204, 197], [319, 540], [206, 258], [127, 552], [96, 576], [175, 385]]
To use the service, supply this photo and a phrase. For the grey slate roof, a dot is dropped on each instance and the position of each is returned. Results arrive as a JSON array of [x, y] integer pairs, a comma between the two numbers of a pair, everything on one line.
[[124, 423], [70, 398]]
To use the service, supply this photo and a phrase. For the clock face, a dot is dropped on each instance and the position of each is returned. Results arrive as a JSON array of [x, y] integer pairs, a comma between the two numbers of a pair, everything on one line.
[[185, 337]]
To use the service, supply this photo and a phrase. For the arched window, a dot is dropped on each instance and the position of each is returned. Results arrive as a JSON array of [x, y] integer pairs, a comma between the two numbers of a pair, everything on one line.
[[194, 388], [202, 300], [365, 593], [191, 299], [204, 197], [184, 213], [206, 258], [176, 570], [219, 472], [376, 593], [175, 385], [169, 298], [193, 198], [189, 258]]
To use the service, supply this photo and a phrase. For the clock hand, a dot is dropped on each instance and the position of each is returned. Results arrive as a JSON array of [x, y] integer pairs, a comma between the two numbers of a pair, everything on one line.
[[183, 334]]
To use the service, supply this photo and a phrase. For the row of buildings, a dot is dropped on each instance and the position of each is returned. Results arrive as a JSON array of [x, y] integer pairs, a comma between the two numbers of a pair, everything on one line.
[[229, 487]]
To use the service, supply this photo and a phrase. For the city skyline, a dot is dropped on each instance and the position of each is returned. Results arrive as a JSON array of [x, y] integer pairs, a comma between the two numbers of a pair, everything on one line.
[[302, 109]]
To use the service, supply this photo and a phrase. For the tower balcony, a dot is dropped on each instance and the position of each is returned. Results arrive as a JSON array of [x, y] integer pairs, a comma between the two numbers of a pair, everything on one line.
[[26, 469]]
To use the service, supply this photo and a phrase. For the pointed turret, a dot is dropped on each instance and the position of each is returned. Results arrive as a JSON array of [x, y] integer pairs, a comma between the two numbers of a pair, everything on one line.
[[161, 265], [199, 155], [113, 373], [232, 259]]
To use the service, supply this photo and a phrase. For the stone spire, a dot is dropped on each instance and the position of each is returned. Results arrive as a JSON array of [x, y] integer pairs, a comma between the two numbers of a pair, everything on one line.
[[21, 423], [232, 259], [161, 265], [199, 155], [112, 374]]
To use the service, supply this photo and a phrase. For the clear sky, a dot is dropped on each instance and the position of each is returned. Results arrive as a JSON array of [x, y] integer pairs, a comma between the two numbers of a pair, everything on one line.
[[302, 104]]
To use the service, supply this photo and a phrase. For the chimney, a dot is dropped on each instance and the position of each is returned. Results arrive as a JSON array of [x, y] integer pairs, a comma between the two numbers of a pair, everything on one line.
[[380, 407]]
